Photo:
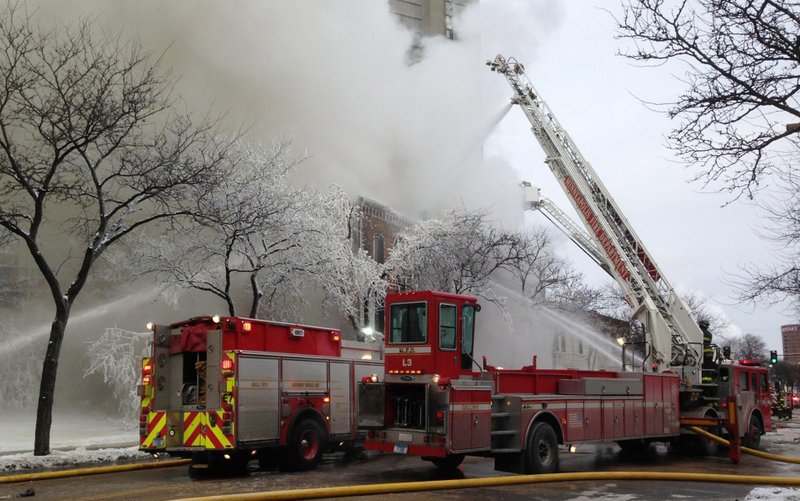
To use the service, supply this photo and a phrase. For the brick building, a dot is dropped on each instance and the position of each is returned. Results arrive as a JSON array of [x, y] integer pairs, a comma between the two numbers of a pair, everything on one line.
[[791, 343]]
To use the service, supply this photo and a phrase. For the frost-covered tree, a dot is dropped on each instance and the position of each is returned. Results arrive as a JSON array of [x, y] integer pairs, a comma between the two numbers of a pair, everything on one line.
[[20, 364], [349, 278], [91, 148], [258, 233], [459, 252], [114, 355], [545, 277], [248, 233]]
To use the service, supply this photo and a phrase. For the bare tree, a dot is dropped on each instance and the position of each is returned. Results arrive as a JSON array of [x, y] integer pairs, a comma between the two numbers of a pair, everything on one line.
[[780, 281], [701, 311], [458, 253], [542, 275], [91, 148], [739, 107], [749, 346]]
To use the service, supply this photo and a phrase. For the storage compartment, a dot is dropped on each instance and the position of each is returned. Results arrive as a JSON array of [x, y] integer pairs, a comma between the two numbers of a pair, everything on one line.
[[600, 386]]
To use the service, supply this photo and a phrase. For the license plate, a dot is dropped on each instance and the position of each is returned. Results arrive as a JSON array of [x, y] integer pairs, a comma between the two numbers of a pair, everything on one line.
[[400, 449]]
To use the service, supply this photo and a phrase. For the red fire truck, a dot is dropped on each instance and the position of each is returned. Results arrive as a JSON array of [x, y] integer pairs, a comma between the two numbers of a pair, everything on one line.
[[435, 404], [224, 390]]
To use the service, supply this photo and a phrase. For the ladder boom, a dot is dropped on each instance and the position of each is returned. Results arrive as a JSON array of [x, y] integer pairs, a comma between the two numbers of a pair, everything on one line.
[[674, 335]]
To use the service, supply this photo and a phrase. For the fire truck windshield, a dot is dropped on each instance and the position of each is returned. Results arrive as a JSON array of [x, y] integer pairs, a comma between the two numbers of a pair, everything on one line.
[[409, 323]]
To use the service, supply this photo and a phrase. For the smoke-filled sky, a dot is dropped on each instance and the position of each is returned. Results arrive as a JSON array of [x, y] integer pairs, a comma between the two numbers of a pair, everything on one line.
[[334, 77]]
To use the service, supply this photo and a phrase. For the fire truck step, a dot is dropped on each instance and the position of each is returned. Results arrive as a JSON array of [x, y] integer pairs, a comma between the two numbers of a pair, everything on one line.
[[504, 432], [504, 451], [500, 414]]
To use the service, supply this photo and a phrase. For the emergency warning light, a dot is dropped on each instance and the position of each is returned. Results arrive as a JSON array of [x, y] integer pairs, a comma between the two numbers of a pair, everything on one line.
[[773, 357]]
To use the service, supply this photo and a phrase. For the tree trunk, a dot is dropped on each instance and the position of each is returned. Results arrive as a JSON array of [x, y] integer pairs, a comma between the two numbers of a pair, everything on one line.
[[256, 296], [44, 411]]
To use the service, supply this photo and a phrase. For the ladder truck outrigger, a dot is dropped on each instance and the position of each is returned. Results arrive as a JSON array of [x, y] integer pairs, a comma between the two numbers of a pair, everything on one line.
[[433, 402]]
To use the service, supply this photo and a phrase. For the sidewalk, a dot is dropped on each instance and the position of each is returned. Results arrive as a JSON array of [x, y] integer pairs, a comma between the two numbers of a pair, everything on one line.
[[74, 439]]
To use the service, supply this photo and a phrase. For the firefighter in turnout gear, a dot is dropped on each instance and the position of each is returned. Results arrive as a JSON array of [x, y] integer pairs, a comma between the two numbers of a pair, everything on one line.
[[710, 361]]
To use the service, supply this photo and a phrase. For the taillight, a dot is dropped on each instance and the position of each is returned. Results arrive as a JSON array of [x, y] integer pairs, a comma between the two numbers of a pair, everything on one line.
[[147, 372], [227, 367], [247, 326], [440, 415], [335, 337]]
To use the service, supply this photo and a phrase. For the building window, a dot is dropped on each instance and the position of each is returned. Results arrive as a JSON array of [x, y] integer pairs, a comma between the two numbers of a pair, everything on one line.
[[448, 19], [378, 248]]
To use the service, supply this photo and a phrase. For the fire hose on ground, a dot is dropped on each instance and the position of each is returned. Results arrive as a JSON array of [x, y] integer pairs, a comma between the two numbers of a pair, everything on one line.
[[366, 490], [747, 450], [45, 475], [375, 489]]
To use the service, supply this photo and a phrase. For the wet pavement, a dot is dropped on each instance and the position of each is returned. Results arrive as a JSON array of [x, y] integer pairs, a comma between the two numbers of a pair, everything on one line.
[[171, 483]]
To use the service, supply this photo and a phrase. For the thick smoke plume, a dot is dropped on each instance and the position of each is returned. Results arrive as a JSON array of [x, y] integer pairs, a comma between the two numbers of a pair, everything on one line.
[[334, 77]]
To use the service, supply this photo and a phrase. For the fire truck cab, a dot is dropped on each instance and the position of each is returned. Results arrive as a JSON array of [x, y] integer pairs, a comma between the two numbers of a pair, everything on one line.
[[226, 390], [434, 402]]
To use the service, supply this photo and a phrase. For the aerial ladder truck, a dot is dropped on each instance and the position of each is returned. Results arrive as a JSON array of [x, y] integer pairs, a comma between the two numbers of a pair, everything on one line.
[[433, 403], [674, 340]]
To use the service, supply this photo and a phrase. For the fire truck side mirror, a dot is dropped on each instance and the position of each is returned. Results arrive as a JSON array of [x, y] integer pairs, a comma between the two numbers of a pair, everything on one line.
[[726, 352]]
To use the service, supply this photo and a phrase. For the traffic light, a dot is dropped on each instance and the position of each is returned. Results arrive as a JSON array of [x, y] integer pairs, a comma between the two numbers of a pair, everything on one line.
[[773, 357]]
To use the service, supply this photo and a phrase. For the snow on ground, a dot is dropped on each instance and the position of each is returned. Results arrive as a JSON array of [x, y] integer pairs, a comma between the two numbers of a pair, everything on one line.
[[74, 440], [773, 494]]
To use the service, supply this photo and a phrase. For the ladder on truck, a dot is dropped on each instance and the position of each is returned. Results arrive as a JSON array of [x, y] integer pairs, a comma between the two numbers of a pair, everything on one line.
[[674, 337]]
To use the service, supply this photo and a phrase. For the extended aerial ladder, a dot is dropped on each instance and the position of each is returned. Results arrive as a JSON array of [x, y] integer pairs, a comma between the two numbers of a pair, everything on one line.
[[675, 341]]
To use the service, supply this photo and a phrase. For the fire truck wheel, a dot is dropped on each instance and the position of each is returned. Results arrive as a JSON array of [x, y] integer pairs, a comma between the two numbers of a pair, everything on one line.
[[541, 455], [752, 437], [305, 445], [450, 462]]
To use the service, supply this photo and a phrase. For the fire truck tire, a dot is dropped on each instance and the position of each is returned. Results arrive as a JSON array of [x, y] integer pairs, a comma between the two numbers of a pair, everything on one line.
[[450, 462], [305, 445], [752, 436], [541, 455]]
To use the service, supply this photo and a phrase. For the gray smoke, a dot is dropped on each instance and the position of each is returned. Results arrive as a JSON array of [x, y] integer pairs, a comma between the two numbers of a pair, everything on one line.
[[334, 77]]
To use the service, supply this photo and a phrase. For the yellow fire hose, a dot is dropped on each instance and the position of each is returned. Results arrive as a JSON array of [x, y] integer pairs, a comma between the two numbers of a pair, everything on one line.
[[24, 477], [366, 490], [765, 455]]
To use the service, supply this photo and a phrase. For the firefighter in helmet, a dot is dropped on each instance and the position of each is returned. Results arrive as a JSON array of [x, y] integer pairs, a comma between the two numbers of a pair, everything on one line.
[[709, 361]]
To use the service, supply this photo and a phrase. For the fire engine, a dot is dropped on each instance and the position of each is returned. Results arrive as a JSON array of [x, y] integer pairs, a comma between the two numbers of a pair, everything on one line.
[[224, 390], [437, 402]]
